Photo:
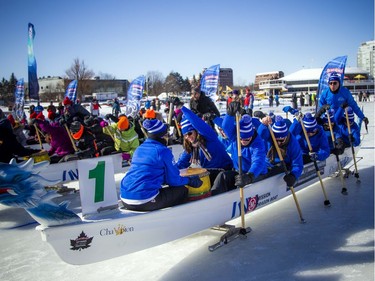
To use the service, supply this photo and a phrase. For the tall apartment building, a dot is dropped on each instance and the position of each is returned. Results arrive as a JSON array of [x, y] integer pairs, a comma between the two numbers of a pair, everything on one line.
[[226, 77], [366, 57]]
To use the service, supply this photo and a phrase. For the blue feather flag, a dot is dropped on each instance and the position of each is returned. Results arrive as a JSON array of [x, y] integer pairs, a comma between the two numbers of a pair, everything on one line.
[[32, 76], [336, 65], [71, 91], [210, 81], [19, 96], [135, 92]]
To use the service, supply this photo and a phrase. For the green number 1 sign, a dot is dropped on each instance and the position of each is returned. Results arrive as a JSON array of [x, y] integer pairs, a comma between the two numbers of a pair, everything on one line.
[[98, 174]]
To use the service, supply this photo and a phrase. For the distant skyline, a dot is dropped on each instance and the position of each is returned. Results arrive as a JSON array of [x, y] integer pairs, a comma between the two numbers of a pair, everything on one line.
[[126, 39]]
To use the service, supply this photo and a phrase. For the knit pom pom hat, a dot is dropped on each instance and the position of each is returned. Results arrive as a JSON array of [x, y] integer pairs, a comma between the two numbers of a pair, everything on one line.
[[155, 127], [279, 128], [186, 126], [246, 127]]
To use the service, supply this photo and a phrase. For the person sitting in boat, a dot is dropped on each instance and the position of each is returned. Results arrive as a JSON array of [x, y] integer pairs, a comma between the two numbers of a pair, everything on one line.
[[74, 111], [85, 141], [289, 148], [104, 141], [253, 155], [317, 137], [61, 148], [202, 146], [152, 167], [123, 133], [9, 146], [322, 119], [340, 117], [18, 128], [336, 94]]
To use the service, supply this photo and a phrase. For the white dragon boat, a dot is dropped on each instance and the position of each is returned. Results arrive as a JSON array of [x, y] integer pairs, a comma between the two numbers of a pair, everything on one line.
[[101, 230]]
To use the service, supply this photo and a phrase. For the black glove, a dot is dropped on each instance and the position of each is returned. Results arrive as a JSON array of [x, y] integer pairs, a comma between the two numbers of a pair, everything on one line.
[[313, 156], [290, 179], [244, 179], [195, 182], [365, 119], [207, 116], [62, 121], [344, 105]]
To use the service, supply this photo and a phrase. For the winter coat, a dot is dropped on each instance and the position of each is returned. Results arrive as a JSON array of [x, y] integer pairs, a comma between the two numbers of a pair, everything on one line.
[[343, 128], [61, 144], [220, 158], [9, 146], [253, 155], [125, 141], [293, 158], [319, 142], [336, 100], [203, 105], [152, 166]]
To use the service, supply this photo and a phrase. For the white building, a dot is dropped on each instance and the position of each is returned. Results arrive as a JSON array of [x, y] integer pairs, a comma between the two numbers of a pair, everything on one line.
[[366, 57]]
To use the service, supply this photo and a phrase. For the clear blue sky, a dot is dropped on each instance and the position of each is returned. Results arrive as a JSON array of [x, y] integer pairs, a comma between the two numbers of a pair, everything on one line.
[[127, 38]]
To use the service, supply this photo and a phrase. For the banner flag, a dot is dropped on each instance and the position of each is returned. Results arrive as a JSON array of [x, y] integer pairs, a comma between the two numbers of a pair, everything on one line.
[[32, 76], [210, 81], [135, 91], [336, 65], [71, 91], [19, 96]]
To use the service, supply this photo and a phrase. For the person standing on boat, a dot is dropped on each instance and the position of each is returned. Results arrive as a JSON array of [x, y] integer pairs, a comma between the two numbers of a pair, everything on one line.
[[336, 94], [202, 146], [289, 147], [152, 167], [253, 155], [203, 106], [317, 137]]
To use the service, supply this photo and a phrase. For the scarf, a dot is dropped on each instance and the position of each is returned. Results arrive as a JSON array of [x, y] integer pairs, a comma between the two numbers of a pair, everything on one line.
[[195, 153]]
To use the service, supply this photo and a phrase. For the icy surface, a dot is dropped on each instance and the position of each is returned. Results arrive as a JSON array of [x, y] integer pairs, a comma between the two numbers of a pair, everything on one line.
[[336, 243]]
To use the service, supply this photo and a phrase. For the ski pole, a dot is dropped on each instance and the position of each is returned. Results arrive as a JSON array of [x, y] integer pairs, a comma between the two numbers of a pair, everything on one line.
[[356, 174], [326, 201], [343, 190], [243, 230], [286, 172]]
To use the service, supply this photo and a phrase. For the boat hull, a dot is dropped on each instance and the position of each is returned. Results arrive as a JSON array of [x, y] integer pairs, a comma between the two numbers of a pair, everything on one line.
[[122, 232]]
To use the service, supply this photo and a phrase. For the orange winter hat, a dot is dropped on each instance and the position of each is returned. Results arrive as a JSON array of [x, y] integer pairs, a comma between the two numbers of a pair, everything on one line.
[[123, 123], [150, 113]]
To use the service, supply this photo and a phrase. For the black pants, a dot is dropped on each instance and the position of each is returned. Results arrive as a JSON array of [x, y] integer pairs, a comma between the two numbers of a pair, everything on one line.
[[167, 197]]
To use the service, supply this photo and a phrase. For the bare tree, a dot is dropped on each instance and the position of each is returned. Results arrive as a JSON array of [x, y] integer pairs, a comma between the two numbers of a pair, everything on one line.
[[155, 81], [79, 71]]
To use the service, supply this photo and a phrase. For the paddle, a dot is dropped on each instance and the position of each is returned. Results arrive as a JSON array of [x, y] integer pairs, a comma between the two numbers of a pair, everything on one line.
[[356, 174], [38, 135], [344, 191], [286, 172], [326, 201], [243, 230], [70, 137]]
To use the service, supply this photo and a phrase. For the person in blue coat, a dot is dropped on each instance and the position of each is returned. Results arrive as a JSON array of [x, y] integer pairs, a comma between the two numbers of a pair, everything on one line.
[[152, 167], [202, 148], [336, 94], [289, 147], [340, 119], [317, 137], [253, 154], [321, 117]]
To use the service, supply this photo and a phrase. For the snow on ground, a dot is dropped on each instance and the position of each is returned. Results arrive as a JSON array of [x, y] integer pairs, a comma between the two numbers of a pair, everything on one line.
[[336, 243]]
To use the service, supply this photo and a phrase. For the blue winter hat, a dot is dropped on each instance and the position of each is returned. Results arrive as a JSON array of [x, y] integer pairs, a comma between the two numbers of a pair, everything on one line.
[[246, 127], [235, 92], [350, 114], [334, 77], [309, 122], [331, 112], [279, 128], [155, 127], [186, 125]]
